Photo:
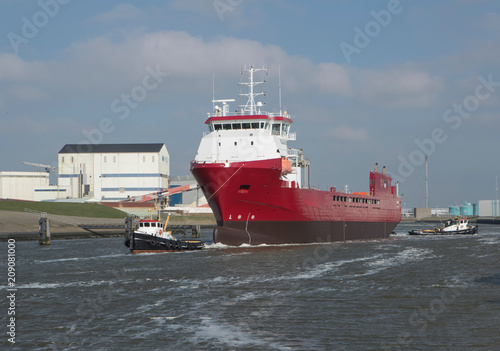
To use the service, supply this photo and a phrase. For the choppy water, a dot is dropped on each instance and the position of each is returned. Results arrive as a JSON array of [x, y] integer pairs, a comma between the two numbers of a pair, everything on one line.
[[406, 293]]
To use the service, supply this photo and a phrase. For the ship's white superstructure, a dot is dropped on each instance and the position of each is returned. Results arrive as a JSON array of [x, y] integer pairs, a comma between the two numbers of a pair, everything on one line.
[[249, 134]]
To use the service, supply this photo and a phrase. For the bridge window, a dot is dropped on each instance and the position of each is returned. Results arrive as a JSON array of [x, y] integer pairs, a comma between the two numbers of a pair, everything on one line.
[[226, 126], [236, 125], [255, 125], [217, 126], [245, 125]]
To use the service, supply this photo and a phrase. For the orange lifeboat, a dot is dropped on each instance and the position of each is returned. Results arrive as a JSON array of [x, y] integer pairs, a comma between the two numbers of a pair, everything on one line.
[[286, 166], [360, 193]]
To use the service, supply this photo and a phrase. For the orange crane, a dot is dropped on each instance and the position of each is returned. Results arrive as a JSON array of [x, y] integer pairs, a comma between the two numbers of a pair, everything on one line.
[[158, 194]]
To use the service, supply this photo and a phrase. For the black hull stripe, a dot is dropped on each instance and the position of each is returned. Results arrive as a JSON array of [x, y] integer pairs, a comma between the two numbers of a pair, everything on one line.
[[280, 232]]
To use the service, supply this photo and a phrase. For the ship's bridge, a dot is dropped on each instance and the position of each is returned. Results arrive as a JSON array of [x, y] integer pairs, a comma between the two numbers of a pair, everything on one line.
[[276, 124]]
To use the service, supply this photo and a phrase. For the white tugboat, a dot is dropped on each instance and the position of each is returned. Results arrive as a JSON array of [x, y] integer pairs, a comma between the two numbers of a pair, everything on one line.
[[460, 226], [151, 236]]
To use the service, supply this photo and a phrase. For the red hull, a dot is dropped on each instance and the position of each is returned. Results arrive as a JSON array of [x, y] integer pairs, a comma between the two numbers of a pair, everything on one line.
[[253, 205]]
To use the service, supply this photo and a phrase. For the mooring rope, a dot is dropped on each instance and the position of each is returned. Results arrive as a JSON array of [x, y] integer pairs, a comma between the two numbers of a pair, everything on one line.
[[225, 182]]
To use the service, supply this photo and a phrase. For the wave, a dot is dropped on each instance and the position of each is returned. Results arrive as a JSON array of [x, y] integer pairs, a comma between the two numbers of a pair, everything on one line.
[[79, 258], [39, 285], [212, 331], [403, 257]]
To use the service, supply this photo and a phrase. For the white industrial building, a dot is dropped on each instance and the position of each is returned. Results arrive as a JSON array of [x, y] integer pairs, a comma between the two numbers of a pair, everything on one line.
[[113, 172], [489, 208], [23, 185]]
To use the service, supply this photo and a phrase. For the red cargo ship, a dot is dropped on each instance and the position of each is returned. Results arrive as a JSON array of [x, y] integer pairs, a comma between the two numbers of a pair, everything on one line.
[[254, 184]]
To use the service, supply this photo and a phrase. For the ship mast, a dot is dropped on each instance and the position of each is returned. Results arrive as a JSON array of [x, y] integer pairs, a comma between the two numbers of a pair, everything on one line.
[[249, 107], [426, 185]]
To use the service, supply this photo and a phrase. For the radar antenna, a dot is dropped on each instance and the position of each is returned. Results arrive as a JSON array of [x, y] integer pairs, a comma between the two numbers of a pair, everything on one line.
[[249, 107]]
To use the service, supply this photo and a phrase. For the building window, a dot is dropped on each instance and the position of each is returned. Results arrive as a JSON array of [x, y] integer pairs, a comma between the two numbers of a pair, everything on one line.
[[104, 159], [62, 159], [72, 160], [143, 158], [114, 158], [152, 159]]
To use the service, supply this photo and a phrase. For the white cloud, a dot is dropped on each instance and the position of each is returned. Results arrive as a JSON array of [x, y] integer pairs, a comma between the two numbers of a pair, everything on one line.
[[13, 68], [398, 87], [492, 22], [333, 79], [350, 134], [104, 66], [123, 11], [28, 93]]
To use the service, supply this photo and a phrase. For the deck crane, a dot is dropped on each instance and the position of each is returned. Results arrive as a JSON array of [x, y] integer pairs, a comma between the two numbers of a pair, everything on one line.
[[48, 168], [157, 195]]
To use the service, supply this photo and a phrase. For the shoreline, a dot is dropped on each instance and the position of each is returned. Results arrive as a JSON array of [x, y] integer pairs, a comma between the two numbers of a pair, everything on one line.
[[24, 226]]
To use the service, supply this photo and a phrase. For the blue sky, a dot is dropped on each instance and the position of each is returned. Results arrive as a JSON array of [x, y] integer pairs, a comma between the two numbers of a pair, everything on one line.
[[365, 81]]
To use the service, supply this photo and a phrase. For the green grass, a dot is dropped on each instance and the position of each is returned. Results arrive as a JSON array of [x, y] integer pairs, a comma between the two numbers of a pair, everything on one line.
[[64, 208]]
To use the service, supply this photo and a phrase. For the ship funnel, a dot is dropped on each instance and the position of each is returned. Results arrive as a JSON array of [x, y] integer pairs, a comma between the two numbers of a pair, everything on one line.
[[376, 167], [383, 170]]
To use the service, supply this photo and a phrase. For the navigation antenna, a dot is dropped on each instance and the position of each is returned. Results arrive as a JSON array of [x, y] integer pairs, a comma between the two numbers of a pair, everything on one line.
[[279, 83], [249, 107], [426, 185]]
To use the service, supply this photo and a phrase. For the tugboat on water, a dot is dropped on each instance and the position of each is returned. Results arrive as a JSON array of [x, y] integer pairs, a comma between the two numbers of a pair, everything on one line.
[[459, 226], [151, 236]]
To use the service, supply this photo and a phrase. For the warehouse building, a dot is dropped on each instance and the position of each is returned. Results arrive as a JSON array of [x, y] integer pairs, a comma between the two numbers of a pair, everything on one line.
[[23, 185], [489, 208], [113, 172]]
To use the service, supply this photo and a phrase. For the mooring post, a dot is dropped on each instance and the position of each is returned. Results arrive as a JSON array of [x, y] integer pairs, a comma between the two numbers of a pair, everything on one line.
[[129, 232], [197, 231], [44, 231]]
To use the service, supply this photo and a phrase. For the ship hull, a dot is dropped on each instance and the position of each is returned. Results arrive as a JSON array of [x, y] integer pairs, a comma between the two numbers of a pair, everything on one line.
[[252, 205], [279, 232]]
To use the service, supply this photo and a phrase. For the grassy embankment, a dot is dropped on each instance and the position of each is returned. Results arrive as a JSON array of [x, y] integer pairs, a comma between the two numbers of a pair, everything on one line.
[[64, 209]]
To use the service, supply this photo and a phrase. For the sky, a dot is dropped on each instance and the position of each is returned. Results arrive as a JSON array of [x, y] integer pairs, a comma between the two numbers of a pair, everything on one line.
[[365, 81]]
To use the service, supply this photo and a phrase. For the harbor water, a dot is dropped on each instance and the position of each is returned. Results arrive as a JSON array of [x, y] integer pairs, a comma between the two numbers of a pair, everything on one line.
[[404, 293]]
